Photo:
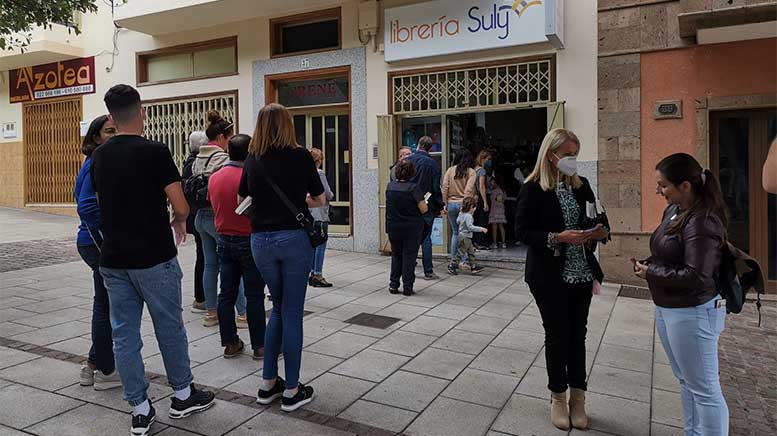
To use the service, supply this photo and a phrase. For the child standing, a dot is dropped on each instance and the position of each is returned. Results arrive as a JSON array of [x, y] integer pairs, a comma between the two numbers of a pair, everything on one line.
[[464, 246], [496, 216]]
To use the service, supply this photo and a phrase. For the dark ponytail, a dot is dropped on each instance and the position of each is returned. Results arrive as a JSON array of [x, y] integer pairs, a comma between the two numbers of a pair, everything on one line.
[[217, 125], [682, 167]]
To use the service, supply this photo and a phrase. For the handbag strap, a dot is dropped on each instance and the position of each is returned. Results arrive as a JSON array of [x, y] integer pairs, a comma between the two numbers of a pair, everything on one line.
[[299, 216]]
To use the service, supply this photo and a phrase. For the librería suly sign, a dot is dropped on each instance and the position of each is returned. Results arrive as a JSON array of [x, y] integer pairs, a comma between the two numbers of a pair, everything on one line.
[[454, 26]]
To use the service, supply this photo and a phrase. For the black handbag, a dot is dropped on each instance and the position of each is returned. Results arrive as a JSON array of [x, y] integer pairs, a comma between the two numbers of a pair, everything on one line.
[[316, 233]]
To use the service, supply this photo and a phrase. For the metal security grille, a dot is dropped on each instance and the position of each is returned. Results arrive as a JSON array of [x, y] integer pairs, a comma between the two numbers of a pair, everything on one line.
[[52, 143], [487, 87], [172, 121]]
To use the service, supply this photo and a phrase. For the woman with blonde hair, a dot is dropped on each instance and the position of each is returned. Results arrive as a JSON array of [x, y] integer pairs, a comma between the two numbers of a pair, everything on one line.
[[561, 269], [483, 165], [280, 246]]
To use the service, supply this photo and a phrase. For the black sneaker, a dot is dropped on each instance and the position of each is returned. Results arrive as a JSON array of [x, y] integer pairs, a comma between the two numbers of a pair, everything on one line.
[[408, 292], [197, 402], [266, 397], [393, 291], [141, 424], [452, 270], [476, 269], [431, 276], [304, 396]]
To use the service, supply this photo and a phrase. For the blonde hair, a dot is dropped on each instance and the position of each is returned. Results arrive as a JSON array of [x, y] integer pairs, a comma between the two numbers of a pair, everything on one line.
[[274, 130], [543, 172], [482, 156]]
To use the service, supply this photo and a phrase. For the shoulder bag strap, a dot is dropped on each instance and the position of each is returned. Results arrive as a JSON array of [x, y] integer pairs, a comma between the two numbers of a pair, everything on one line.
[[289, 205]]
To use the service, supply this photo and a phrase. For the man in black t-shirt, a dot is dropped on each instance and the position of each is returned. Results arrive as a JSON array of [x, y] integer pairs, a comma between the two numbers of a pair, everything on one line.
[[134, 178]]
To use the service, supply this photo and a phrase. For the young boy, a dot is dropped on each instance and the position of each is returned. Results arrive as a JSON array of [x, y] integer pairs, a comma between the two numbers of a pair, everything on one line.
[[466, 229]]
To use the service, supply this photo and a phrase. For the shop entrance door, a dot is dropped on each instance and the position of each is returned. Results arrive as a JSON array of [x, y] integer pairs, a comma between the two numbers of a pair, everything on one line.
[[329, 130], [740, 142]]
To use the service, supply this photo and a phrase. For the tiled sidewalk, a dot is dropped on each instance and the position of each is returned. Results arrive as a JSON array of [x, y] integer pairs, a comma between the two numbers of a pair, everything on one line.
[[465, 358]]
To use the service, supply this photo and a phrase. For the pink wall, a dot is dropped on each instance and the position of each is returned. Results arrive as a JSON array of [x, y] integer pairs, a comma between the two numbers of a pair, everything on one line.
[[739, 68]]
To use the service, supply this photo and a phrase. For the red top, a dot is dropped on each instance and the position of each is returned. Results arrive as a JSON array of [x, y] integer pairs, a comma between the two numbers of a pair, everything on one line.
[[222, 192]]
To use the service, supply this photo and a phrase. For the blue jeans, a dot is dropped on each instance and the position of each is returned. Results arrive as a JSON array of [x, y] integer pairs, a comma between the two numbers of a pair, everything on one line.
[[318, 256], [101, 352], [206, 227], [426, 248], [236, 264], [283, 259], [159, 287], [454, 208], [690, 339]]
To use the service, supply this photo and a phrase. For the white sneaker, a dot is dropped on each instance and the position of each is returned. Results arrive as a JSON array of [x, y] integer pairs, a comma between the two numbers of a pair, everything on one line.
[[87, 375], [104, 382]]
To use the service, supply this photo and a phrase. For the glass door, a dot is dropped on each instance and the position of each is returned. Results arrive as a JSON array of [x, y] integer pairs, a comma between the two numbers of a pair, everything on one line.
[[330, 131], [740, 142]]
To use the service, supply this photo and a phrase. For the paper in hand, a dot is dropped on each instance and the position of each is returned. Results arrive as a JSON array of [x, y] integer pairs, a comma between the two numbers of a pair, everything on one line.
[[244, 206]]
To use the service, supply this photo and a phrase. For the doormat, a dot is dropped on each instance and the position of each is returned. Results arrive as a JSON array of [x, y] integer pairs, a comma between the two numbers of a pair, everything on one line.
[[372, 320]]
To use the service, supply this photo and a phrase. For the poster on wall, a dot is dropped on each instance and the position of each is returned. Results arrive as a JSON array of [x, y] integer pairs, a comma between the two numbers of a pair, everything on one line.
[[58, 79], [454, 26]]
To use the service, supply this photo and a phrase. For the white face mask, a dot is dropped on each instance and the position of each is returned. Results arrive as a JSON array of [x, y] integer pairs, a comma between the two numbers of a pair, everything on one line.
[[567, 165]]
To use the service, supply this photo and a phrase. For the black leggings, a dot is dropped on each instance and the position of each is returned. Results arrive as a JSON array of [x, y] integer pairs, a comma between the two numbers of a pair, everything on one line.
[[404, 252], [199, 270], [564, 314]]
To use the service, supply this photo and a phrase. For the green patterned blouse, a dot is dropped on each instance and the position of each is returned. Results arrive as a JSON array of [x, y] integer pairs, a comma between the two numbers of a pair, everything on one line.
[[576, 269]]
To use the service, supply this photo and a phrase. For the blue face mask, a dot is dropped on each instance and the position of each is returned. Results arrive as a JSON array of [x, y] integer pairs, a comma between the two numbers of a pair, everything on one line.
[[487, 164]]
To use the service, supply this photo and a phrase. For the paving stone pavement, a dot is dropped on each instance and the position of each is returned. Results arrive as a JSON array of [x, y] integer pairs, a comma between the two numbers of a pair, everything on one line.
[[465, 358]]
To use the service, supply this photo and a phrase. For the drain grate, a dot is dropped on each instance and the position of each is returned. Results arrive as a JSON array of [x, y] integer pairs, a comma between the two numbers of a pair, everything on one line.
[[372, 320], [634, 292]]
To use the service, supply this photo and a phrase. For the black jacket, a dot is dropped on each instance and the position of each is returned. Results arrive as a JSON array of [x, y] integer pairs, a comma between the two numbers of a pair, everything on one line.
[[427, 177], [187, 173], [539, 213]]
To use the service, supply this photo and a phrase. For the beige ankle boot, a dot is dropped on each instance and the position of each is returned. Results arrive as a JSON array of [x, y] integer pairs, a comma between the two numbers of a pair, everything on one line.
[[559, 411], [577, 408]]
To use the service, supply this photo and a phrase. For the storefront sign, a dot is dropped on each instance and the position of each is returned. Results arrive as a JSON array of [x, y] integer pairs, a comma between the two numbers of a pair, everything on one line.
[[313, 92], [454, 26], [58, 79]]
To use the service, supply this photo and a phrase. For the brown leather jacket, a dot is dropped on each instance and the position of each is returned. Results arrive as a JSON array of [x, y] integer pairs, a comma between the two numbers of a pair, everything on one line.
[[683, 266]]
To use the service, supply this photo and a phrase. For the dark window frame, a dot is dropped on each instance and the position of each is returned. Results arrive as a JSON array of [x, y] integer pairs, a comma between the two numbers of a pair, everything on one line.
[[141, 60], [277, 25]]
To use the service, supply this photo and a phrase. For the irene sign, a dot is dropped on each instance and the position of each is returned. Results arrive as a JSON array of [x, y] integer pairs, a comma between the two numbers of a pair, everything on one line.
[[454, 26], [54, 80]]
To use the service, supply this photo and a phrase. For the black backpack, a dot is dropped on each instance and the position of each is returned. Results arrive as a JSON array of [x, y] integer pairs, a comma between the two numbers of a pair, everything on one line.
[[195, 188], [738, 273]]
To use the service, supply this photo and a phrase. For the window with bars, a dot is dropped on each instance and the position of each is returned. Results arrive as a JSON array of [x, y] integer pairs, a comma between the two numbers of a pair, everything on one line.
[[502, 85], [172, 121]]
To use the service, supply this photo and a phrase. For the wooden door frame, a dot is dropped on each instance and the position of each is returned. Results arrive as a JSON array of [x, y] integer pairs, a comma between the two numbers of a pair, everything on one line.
[[757, 198]]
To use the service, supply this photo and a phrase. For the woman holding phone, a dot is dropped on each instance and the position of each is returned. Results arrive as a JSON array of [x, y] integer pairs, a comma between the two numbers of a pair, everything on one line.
[[686, 250], [561, 269]]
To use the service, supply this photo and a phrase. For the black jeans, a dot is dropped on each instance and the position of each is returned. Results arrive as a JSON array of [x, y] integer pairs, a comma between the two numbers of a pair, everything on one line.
[[199, 270], [404, 251], [101, 352], [236, 261], [564, 314]]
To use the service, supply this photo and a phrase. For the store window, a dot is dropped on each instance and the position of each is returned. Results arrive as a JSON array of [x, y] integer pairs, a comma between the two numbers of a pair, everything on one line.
[[188, 62], [306, 33]]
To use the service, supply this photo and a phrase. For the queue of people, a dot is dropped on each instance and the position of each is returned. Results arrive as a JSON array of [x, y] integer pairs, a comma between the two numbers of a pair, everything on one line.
[[278, 245]]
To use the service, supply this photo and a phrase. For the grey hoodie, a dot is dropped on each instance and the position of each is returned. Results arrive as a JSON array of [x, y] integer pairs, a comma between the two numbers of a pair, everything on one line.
[[467, 225]]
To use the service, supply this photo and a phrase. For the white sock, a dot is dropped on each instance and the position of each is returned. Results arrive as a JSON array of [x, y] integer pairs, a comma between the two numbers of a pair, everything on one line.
[[265, 385], [142, 409], [184, 393], [289, 393]]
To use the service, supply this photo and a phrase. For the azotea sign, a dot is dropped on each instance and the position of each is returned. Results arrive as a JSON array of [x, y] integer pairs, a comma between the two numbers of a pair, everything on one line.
[[58, 79], [454, 26]]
